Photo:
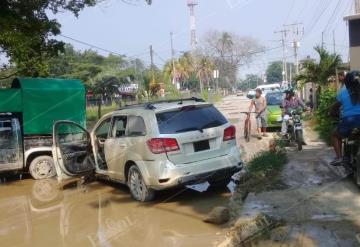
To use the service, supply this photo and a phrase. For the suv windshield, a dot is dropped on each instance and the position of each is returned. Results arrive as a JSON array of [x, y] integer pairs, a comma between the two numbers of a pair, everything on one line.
[[189, 119], [274, 98]]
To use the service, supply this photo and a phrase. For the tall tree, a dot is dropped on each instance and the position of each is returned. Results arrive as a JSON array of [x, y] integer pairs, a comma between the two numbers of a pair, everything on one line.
[[204, 70], [320, 72], [274, 72], [275, 69], [229, 52], [27, 31]]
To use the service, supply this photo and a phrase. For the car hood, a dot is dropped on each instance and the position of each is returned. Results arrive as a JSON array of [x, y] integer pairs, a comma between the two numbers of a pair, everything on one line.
[[274, 109]]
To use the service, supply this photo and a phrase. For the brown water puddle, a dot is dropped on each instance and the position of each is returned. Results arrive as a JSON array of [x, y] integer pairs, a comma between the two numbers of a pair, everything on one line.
[[37, 213]]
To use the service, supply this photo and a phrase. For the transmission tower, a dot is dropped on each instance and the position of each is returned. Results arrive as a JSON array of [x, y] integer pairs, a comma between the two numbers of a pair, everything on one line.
[[191, 4]]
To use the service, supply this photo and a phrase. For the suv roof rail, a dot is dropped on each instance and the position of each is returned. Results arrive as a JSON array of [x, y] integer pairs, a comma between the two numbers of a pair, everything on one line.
[[150, 105]]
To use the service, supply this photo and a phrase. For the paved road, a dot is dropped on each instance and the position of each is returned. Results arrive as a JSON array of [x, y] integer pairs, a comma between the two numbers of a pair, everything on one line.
[[37, 213], [231, 107]]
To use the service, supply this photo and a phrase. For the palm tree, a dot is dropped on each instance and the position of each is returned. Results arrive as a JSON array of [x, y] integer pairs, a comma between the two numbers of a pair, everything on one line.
[[204, 69], [184, 68], [320, 72]]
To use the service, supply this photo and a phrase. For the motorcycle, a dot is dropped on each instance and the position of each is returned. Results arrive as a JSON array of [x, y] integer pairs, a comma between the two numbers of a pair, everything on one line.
[[351, 151], [295, 128]]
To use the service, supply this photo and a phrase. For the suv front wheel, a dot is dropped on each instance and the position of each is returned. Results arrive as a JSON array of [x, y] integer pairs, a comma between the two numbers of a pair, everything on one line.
[[137, 186]]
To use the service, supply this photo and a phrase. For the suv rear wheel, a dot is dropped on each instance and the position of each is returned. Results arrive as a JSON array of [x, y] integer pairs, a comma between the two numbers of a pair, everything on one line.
[[137, 186]]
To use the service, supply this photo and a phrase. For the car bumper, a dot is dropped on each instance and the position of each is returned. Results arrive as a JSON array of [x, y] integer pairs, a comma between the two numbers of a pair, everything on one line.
[[274, 121], [164, 174]]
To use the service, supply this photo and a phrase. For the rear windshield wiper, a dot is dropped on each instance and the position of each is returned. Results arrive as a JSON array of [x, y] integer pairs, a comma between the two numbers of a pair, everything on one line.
[[212, 124], [189, 129]]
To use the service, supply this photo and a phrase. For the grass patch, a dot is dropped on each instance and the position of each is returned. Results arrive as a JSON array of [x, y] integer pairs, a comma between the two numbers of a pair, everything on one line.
[[263, 172], [266, 163], [92, 112]]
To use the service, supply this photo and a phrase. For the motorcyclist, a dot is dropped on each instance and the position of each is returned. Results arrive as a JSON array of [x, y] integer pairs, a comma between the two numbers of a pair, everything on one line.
[[348, 104], [291, 102]]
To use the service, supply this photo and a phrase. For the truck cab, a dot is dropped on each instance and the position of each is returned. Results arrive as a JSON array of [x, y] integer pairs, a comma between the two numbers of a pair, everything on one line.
[[28, 111]]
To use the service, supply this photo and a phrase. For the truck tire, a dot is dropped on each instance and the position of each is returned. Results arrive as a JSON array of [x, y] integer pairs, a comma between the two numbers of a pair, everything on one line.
[[137, 186], [42, 167]]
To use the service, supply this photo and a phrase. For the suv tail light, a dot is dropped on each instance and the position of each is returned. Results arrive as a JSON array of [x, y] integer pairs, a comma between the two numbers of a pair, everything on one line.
[[229, 133], [163, 145]]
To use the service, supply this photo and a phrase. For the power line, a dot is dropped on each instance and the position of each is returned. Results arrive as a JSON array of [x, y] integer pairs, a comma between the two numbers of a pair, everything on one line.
[[333, 15], [291, 9], [100, 48], [317, 19]]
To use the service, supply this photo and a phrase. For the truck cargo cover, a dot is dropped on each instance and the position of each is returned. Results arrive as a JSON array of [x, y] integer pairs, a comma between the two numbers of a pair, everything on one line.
[[43, 101]]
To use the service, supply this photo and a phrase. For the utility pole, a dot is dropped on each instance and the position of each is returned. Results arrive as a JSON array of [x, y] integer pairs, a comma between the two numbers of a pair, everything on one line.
[[152, 63], [283, 43], [297, 30], [334, 41], [174, 80], [322, 39], [191, 4]]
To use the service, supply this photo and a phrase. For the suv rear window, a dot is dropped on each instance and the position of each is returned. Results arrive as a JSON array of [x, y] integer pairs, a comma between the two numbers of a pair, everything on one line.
[[189, 118]]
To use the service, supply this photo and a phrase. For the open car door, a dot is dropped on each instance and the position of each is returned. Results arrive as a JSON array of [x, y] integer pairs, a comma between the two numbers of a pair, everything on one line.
[[72, 150]]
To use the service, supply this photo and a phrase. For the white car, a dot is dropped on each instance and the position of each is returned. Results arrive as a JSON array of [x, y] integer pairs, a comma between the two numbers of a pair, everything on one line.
[[151, 147]]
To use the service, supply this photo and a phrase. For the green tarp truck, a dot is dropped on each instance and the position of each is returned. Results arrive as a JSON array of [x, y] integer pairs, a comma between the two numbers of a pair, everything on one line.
[[28, 111]]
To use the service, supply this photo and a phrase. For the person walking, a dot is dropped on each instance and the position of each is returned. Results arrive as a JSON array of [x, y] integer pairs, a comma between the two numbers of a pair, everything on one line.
[[259, 102]]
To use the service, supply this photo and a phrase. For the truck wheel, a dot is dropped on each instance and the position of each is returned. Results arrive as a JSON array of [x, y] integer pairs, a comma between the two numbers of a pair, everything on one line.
[[137, 186], [42, 167]]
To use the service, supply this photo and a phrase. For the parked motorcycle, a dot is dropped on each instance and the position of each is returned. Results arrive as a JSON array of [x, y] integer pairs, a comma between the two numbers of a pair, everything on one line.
[[351, 151], [295, 128]]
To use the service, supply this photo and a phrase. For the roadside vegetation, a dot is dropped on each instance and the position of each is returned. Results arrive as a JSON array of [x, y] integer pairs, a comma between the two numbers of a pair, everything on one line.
[[264, 170], [322, 74], [262, 173], [325, 124]]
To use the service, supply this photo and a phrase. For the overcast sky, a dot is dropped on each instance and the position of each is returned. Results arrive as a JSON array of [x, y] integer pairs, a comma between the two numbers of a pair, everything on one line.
[[130, 29]]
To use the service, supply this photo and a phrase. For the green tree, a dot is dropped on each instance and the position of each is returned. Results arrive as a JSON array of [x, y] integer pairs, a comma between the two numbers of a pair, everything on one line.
[[274, 72], [275, 69], [27, 31], [320, 72], [204, 70]]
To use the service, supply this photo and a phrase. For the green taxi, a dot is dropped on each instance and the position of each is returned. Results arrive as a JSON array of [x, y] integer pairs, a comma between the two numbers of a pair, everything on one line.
[[274, 101]]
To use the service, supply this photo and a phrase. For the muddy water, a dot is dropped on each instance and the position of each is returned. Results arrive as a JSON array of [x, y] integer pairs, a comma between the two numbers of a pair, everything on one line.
[[37, 213]]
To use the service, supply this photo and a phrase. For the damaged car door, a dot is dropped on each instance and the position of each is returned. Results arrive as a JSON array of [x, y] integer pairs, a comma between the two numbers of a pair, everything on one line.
[[72, 150]]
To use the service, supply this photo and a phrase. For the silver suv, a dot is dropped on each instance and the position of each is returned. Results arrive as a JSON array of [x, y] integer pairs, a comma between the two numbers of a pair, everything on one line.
[[149, 147]]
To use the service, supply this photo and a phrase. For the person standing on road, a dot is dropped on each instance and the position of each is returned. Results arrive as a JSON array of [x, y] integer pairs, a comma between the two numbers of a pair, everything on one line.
[[259, 102]]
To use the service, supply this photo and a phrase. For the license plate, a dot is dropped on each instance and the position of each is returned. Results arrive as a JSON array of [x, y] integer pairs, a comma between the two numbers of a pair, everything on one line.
[[199, 187], [201, 146]]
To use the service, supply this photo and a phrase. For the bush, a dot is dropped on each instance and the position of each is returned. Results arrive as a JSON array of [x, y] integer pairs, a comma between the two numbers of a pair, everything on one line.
[[325, 124]]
